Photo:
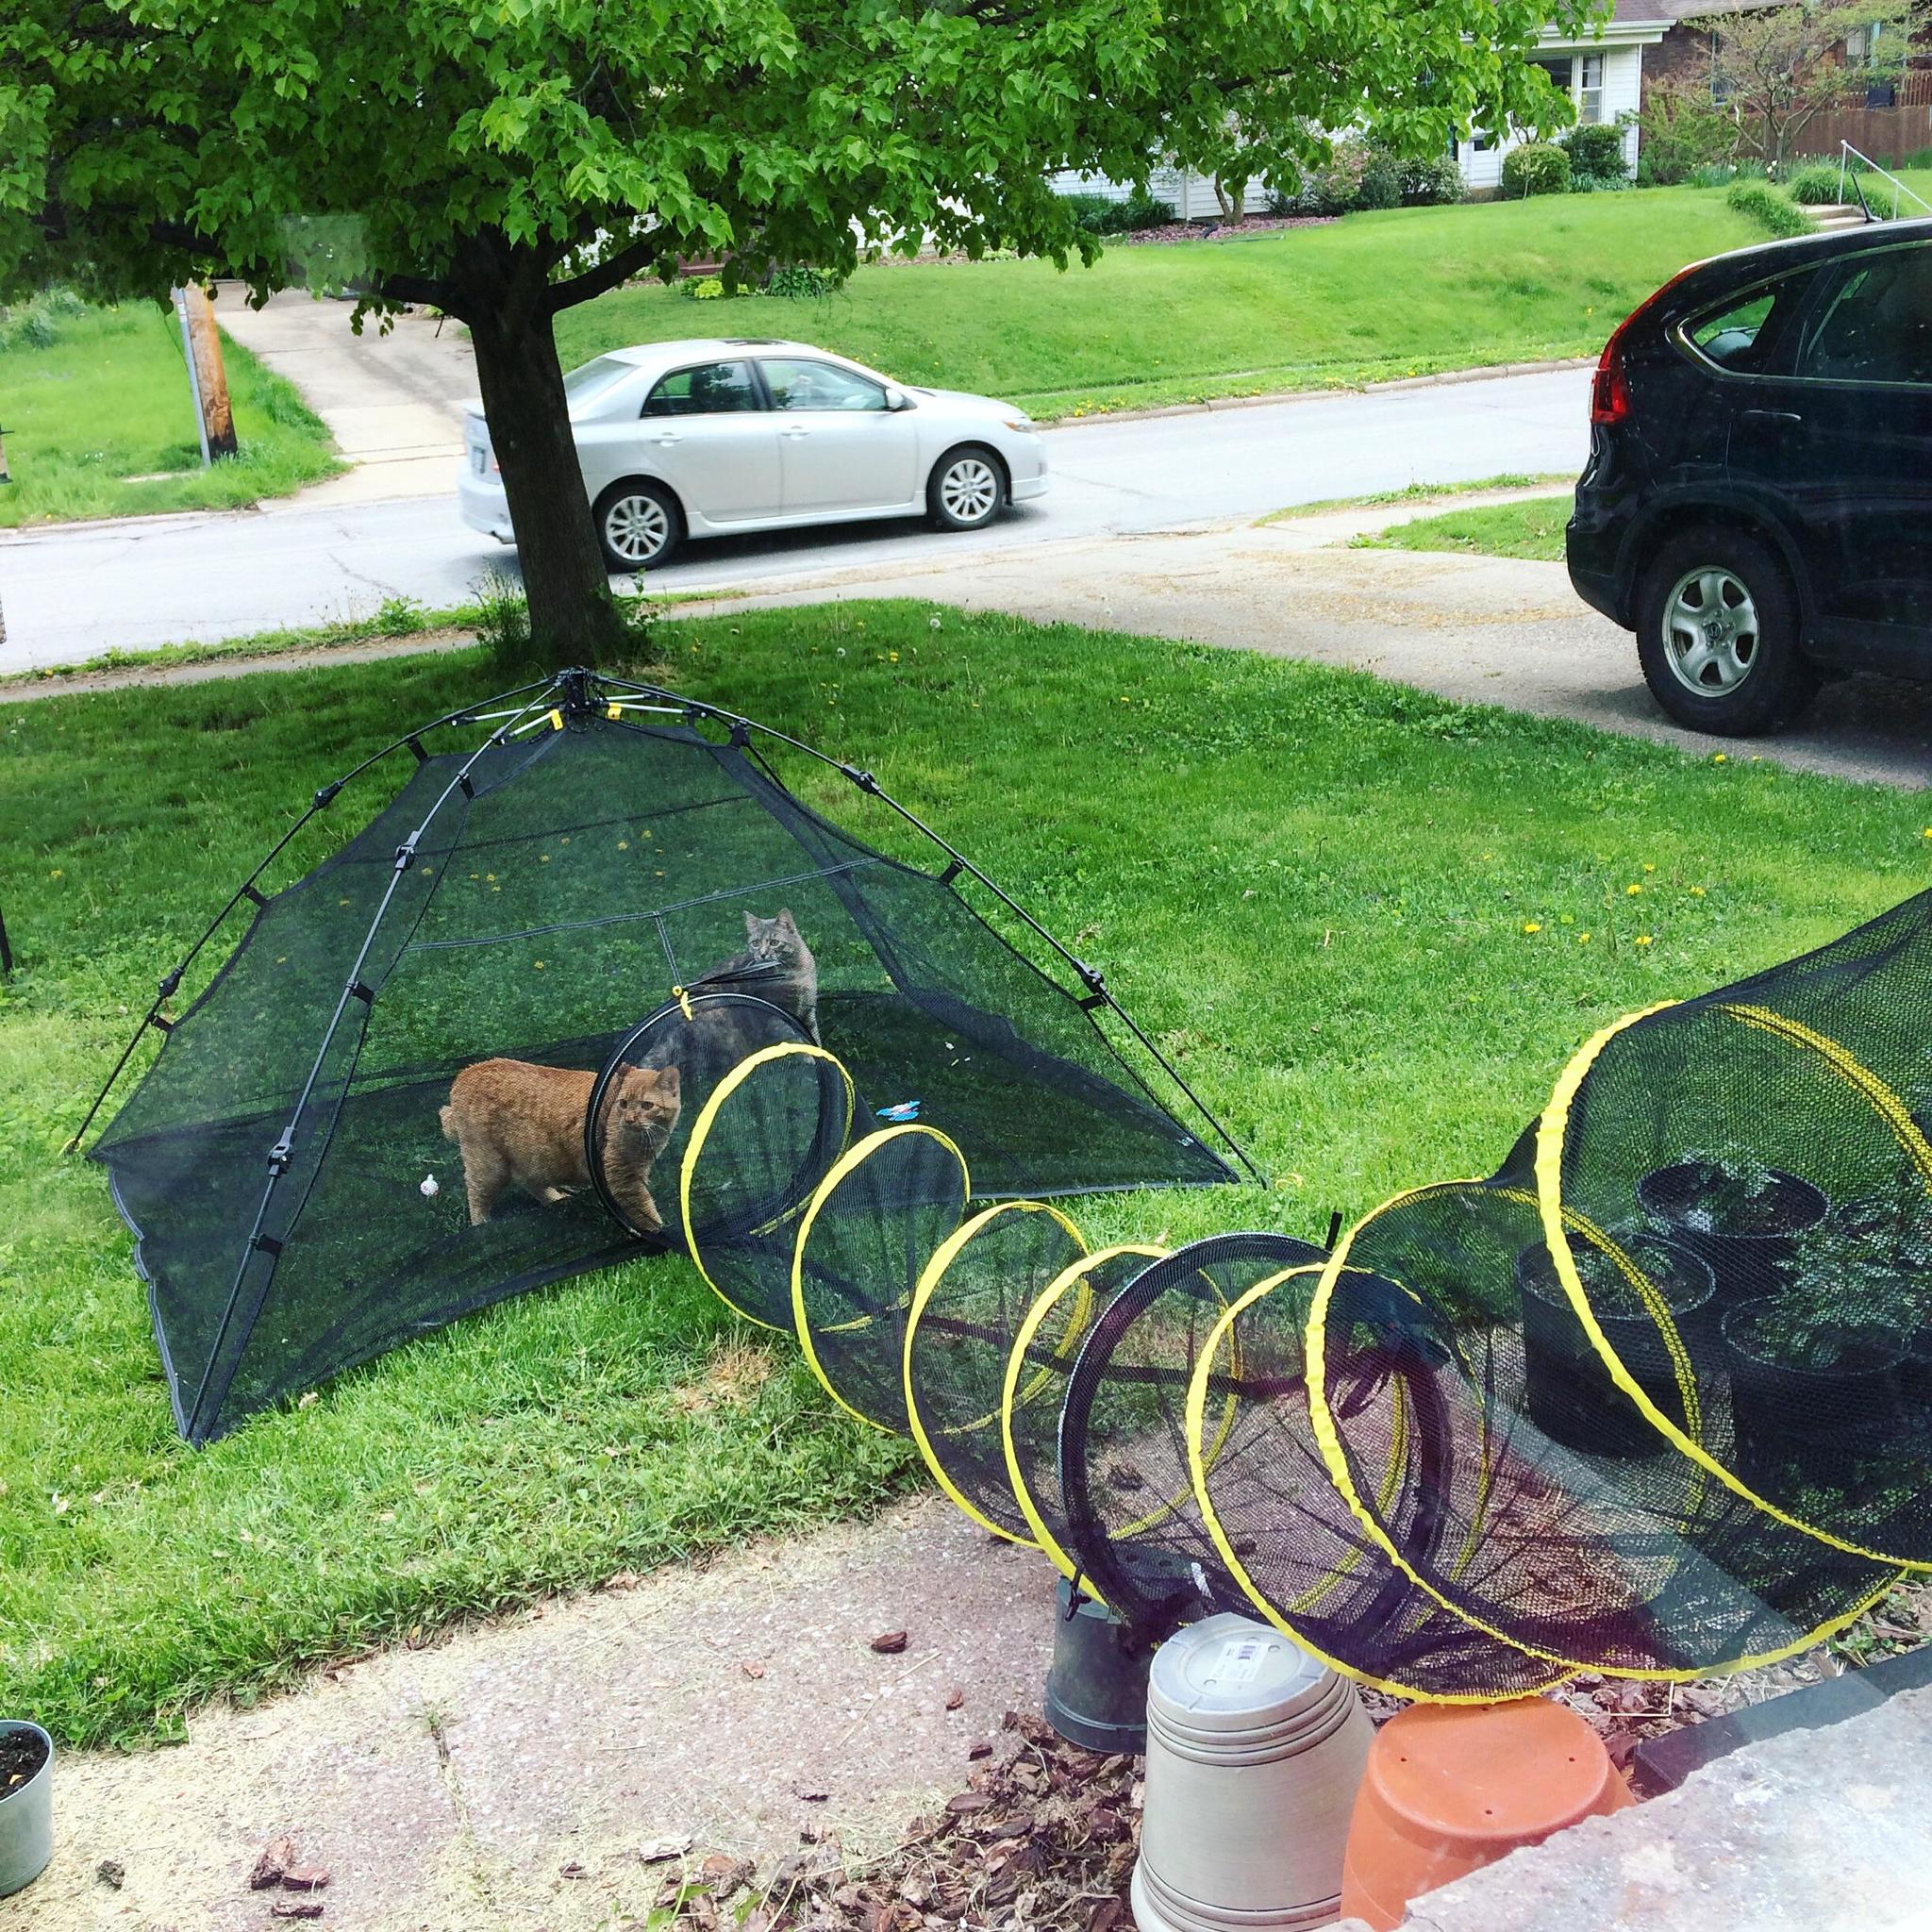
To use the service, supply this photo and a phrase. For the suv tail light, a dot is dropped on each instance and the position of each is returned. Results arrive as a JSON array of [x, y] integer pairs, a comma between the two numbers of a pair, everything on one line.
[[1609, 393]]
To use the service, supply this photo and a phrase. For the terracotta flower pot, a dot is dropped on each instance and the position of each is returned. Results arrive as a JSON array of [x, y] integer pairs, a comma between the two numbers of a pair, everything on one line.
[[1451, 1788]]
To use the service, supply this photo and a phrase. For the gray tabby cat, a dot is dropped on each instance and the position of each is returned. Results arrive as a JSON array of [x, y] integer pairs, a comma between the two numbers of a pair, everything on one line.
[[776, 965]]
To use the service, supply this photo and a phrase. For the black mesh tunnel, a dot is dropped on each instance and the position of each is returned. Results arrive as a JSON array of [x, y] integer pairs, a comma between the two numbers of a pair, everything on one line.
[[284, 1165]]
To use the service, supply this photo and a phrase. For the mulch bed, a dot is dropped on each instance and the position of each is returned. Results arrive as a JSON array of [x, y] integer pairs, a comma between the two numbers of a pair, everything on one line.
[[1043, 1835]]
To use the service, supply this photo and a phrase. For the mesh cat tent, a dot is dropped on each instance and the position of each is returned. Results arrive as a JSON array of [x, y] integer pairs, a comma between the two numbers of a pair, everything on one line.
[[572, 893]]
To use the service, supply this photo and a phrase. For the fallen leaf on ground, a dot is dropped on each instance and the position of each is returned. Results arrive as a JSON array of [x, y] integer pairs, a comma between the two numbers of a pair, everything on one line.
[[752, 1668], [982, 1749], [956, 1700], [891, 1642], [673, 1845], [110, 1871], [295, 1908], [811, 1793], [276, 1856], [304, 1878]]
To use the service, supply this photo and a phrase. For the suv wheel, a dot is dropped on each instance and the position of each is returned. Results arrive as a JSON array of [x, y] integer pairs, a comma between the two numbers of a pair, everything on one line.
[[1718, 634]]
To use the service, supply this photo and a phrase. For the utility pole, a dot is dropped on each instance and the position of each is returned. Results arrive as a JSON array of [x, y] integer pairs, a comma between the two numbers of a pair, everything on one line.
[[201, 342]]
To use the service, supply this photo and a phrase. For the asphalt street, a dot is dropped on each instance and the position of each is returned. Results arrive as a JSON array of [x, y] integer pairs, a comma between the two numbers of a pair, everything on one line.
[[75, 593]]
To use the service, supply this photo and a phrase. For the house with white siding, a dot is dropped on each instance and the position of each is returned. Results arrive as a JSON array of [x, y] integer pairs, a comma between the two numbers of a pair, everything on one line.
[[1602, 71]]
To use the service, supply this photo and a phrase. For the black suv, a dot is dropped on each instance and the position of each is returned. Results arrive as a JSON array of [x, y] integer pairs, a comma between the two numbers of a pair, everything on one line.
[[1757, 504]]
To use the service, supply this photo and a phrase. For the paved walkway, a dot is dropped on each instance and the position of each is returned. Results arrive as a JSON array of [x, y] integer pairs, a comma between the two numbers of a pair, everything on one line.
[[394, 402], [508, 1781]]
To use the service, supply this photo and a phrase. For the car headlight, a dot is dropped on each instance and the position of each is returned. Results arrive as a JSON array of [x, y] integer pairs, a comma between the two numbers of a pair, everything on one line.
[[1020, 422]]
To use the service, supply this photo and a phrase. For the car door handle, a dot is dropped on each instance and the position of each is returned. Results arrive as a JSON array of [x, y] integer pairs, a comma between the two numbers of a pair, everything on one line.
[[795, 433], [1771, 416], [667, 438]]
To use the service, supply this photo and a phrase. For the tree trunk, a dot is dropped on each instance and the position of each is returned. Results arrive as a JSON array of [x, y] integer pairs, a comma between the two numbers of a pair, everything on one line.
[[573, 619]]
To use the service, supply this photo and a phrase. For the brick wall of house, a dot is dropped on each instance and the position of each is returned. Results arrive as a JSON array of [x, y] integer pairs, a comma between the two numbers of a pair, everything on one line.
[[1683, 54]]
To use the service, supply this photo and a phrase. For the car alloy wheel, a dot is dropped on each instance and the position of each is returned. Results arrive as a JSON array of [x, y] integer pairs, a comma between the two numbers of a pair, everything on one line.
[[970, 490], [636, 528], [1711, 631]]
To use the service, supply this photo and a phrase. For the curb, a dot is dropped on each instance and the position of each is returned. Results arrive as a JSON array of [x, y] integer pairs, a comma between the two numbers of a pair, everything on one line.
[[1494, 373]]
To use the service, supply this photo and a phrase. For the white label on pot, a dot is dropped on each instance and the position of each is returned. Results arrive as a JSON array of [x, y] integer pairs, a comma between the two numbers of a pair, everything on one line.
[[1240, 1660]]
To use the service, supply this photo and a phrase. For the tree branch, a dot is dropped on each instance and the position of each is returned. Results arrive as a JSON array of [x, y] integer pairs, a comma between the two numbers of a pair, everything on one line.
[[608, 275]]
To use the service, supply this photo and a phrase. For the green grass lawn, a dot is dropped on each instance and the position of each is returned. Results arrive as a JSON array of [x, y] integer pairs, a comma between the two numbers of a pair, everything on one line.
[[106, 401], [1404, 292], [1315, 887], [1532, 528]]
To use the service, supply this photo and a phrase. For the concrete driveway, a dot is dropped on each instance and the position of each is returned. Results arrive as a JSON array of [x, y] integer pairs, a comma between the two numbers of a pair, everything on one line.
[[1483, 630]]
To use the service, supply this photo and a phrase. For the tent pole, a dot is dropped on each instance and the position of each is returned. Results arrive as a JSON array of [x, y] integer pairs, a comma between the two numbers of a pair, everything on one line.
[[171, 982], [282, 1152], [1090, 976]]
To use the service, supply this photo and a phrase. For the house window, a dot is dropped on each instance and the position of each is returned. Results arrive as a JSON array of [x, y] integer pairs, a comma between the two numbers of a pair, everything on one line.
[[1590, 89]]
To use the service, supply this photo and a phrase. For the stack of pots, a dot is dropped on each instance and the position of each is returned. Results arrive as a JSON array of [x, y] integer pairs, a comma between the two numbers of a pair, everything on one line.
[[1255, 1752]]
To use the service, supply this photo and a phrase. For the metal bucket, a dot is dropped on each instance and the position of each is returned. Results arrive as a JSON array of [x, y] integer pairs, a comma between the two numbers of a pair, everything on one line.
[[26, 1818]]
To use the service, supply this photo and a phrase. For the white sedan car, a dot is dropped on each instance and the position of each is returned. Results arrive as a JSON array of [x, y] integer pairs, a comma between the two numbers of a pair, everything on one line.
[[699, 439]]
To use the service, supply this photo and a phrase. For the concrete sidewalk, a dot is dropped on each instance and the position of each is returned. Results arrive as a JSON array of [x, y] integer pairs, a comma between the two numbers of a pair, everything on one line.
[[508, 1779], [394, 402]]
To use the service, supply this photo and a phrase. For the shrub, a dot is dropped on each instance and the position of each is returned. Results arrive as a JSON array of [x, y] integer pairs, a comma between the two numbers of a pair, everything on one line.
[[795, 280], [1143, 209], [1431, 183], [1538, 167], [1380, 185], [1596, 153], [1775, 213], [36, 322], [1600, 184], [1814, 186], [1681, 131], [1093, 214], [704, 288]]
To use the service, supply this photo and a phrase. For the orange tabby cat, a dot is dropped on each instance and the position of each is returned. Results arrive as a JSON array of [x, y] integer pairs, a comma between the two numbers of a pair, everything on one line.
[[523, 1126]]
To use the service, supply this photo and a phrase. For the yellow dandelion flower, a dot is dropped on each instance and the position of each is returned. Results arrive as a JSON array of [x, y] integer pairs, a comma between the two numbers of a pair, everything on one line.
[[1642, 939], [1583, 938], [1532, 926], [538, 964], [1650, 868], [542, 858], [1698, 892], [1720, 757], [1631, 891], [623, 844], [893, 656]]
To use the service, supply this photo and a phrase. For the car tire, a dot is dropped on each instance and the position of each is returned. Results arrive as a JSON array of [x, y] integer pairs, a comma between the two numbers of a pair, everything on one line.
[[639, 525], [1719, 634], [967, 487]]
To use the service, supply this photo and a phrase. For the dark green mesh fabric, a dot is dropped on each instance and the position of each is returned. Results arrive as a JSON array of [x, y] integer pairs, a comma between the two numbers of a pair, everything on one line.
[[552, 904]]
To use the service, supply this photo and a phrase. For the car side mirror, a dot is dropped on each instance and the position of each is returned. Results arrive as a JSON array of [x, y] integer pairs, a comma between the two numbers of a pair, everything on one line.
[[897, 398]]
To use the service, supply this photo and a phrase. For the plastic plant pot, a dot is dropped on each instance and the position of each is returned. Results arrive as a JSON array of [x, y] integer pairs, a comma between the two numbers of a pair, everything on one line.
[[1746, 1259], [1812, 1404], [1096, 1690], [1572, 1397], [1451, 1788], [27, 1804]]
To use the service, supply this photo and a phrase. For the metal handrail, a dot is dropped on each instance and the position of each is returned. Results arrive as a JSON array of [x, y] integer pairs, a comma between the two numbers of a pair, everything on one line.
[[1847, 154]]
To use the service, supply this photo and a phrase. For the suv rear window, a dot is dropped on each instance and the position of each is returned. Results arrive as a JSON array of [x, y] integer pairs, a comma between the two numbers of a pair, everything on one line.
[[1875, 322], [1742, 335]]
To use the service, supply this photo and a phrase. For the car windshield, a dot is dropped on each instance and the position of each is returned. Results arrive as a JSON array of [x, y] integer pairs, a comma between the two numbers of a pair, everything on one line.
[[585, 385]]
